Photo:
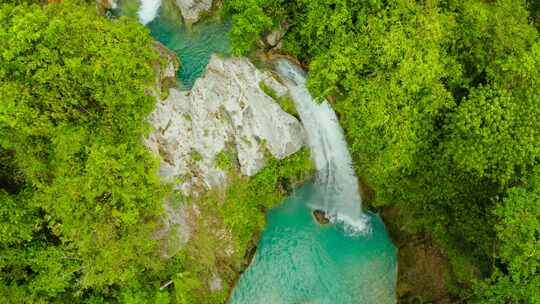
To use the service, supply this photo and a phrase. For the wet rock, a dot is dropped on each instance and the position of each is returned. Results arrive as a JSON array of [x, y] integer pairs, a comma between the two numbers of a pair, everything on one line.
[[320, 217]]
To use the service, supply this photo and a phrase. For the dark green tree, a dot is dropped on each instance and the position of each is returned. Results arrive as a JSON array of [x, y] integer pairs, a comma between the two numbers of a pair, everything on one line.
[[79, 193]]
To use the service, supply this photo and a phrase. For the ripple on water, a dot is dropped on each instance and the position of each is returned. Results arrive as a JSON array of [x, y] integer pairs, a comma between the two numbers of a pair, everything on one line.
[[298, 261]]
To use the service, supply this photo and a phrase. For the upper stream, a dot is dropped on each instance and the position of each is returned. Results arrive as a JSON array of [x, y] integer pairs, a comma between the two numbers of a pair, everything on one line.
[[298, 261], [193, 45]]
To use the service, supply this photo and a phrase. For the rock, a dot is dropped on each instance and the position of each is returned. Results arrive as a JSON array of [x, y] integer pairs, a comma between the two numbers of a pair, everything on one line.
[[176, 219], [215, 284], [165, 69], [274, 38], [225, 112], [320, 217], [103, 6], [226, 115], [193, 9]]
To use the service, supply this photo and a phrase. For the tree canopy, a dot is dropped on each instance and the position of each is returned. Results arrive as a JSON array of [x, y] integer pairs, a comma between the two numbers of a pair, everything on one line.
[[81, 201], [78, 190], [440, 103]]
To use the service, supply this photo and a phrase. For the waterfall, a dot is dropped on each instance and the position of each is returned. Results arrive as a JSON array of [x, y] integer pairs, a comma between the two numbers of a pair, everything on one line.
[[335, 175], [148, 10]]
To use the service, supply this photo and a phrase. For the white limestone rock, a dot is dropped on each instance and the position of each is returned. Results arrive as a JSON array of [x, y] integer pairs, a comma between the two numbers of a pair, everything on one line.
[[193, 9], [225, 110]]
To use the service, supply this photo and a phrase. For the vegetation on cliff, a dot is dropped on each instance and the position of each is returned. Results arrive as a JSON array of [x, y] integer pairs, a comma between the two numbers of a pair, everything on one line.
[[440, 103]]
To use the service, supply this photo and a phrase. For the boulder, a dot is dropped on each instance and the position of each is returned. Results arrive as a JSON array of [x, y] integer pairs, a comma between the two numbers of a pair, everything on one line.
[[193, 9], [320, 217], [225, 112]]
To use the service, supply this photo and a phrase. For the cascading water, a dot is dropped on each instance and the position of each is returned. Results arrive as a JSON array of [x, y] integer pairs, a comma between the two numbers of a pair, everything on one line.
[[300, 261], [335, 176], [148, 10]]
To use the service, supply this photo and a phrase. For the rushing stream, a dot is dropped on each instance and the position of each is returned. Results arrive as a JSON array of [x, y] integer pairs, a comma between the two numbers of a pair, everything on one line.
[[298, 261]]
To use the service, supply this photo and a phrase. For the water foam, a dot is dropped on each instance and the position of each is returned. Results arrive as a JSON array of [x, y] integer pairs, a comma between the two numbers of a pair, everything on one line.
[[148, 10], [335, 175]]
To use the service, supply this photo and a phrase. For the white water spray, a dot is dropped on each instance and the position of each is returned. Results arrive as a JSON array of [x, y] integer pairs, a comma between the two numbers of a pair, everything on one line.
[[335, 175], [148, 10]]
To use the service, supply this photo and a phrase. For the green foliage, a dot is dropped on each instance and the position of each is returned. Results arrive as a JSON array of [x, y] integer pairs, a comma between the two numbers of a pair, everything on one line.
[[78, 190], [440, 103], [225, 160], [518, 236], [285, 101], [196, 156], [247, 199], [250, 21], [534, 9]]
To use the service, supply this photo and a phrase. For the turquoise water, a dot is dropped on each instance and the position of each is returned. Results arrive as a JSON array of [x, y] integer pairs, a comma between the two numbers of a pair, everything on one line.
[[300, 262], [193, 45]]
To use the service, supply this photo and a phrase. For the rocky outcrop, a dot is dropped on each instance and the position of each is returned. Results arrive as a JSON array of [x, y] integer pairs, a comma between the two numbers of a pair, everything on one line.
[[226, 112], [226, 117], [229, 124], [320, 217], [193, 9], [103, 6], [274, 38], [165, 69]]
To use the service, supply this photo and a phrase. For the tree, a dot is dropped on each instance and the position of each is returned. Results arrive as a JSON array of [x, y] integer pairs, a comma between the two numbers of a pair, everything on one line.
[[439, 102], [79, 197], [517, 280]]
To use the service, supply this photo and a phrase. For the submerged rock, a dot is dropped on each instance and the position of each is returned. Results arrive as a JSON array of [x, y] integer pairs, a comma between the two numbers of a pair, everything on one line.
[[320, 217], [192, 10], [226, 113]]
